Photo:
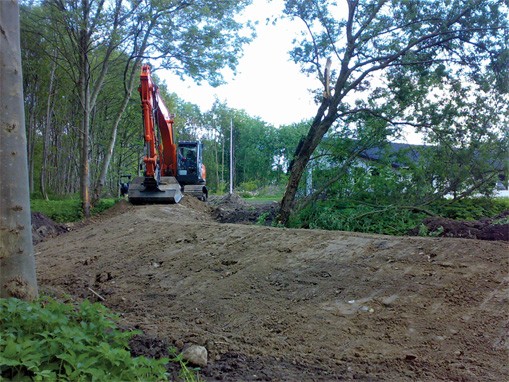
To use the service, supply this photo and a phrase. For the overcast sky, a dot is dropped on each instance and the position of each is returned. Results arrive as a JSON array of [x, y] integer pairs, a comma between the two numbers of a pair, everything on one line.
[[268, 85]]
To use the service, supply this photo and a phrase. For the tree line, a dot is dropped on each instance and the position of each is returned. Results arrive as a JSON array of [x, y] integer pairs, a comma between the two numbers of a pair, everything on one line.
[[82, 59]]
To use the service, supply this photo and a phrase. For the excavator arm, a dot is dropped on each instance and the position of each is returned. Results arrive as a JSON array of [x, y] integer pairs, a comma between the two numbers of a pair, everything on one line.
[[155, 114]]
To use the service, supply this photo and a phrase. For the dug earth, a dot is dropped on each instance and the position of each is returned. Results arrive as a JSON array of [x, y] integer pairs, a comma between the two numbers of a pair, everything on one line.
[[275, 304]]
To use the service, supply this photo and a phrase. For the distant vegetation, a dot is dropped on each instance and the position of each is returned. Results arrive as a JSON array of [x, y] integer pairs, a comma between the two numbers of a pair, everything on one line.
[[460, 111], [446, 80], [345, 214]]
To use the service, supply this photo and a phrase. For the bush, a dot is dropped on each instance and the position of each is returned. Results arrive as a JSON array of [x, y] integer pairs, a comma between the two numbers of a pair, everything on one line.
[[471, 209], [250, 186], [352, 216], [363, 216], [49, 341]]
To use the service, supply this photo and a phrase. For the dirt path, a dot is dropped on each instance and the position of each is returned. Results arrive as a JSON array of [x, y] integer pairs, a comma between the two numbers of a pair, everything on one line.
[[293, 305]]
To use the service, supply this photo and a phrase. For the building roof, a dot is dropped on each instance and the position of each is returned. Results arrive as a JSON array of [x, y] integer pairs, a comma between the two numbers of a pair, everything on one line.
[[394, 149]]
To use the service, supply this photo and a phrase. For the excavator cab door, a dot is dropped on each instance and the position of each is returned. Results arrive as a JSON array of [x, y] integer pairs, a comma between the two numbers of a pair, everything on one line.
[[190, 169], [189, 157]]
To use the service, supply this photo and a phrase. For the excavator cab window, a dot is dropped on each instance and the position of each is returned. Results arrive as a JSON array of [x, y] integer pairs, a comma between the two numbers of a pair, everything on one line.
[[187, 158]]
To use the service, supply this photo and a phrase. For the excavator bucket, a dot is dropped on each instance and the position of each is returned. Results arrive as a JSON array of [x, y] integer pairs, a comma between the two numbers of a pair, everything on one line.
[[166, 192]]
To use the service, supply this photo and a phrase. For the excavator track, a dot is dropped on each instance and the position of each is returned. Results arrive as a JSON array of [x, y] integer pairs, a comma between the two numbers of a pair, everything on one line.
[[198, 191]]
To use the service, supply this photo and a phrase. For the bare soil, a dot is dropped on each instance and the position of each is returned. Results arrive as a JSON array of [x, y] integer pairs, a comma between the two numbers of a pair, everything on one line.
[[276, 304]]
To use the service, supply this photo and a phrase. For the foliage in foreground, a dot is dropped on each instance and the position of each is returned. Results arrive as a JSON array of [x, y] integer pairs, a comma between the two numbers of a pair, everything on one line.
[[360, 216], [67, 210], [49, 341]]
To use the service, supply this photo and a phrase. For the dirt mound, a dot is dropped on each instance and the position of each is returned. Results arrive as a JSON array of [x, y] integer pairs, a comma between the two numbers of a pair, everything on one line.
[[43, 227], [121, 207], [196, 204], [485, 229], [282, 304], [234, 209]]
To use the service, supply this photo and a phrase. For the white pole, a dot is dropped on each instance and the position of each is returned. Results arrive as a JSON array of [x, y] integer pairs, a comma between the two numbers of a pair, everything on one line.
[[231, 156], [309, 180]]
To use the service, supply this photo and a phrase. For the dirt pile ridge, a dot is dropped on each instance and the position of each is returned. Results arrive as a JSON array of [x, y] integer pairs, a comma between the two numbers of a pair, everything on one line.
[[43, 227], [234, 209], [293, 305]]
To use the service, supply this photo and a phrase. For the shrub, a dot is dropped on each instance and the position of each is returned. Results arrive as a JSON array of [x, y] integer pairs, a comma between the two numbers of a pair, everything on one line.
[[250, 186], [352, 216], [471, 209], [366, 216], [49, 341]]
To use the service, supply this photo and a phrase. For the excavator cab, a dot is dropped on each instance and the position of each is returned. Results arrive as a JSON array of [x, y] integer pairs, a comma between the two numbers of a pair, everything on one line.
[[190, 169]]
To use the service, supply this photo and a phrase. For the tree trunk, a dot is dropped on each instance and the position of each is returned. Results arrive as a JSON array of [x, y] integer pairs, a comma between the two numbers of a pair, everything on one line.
[[84, 87], [85, 130], [127, 96], [31, 149], [107, 160], [301, 158], [109, 154], [17, 262], [222, 159], [84, 161], [46, 132], [218, 181]]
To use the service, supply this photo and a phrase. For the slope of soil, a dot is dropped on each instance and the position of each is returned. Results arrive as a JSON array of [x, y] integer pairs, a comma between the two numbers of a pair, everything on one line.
[[292, 305]]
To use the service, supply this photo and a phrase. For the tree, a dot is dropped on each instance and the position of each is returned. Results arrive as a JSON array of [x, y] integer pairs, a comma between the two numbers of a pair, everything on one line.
[[85, 34], [195, 40], [17, 263], [254, 150], [384, 41]]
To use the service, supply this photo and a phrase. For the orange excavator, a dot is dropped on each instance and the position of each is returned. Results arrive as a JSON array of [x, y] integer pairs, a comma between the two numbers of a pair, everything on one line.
[[171, 170]]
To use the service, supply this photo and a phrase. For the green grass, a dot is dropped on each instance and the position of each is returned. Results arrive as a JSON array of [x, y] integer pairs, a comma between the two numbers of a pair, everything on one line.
[[67, 210]]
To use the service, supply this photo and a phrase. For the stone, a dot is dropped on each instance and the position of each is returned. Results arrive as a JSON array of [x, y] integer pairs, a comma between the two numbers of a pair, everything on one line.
[[196, 355]]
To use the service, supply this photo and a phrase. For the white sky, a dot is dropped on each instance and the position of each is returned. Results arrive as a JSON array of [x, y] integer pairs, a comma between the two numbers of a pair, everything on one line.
[[267, 85]]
